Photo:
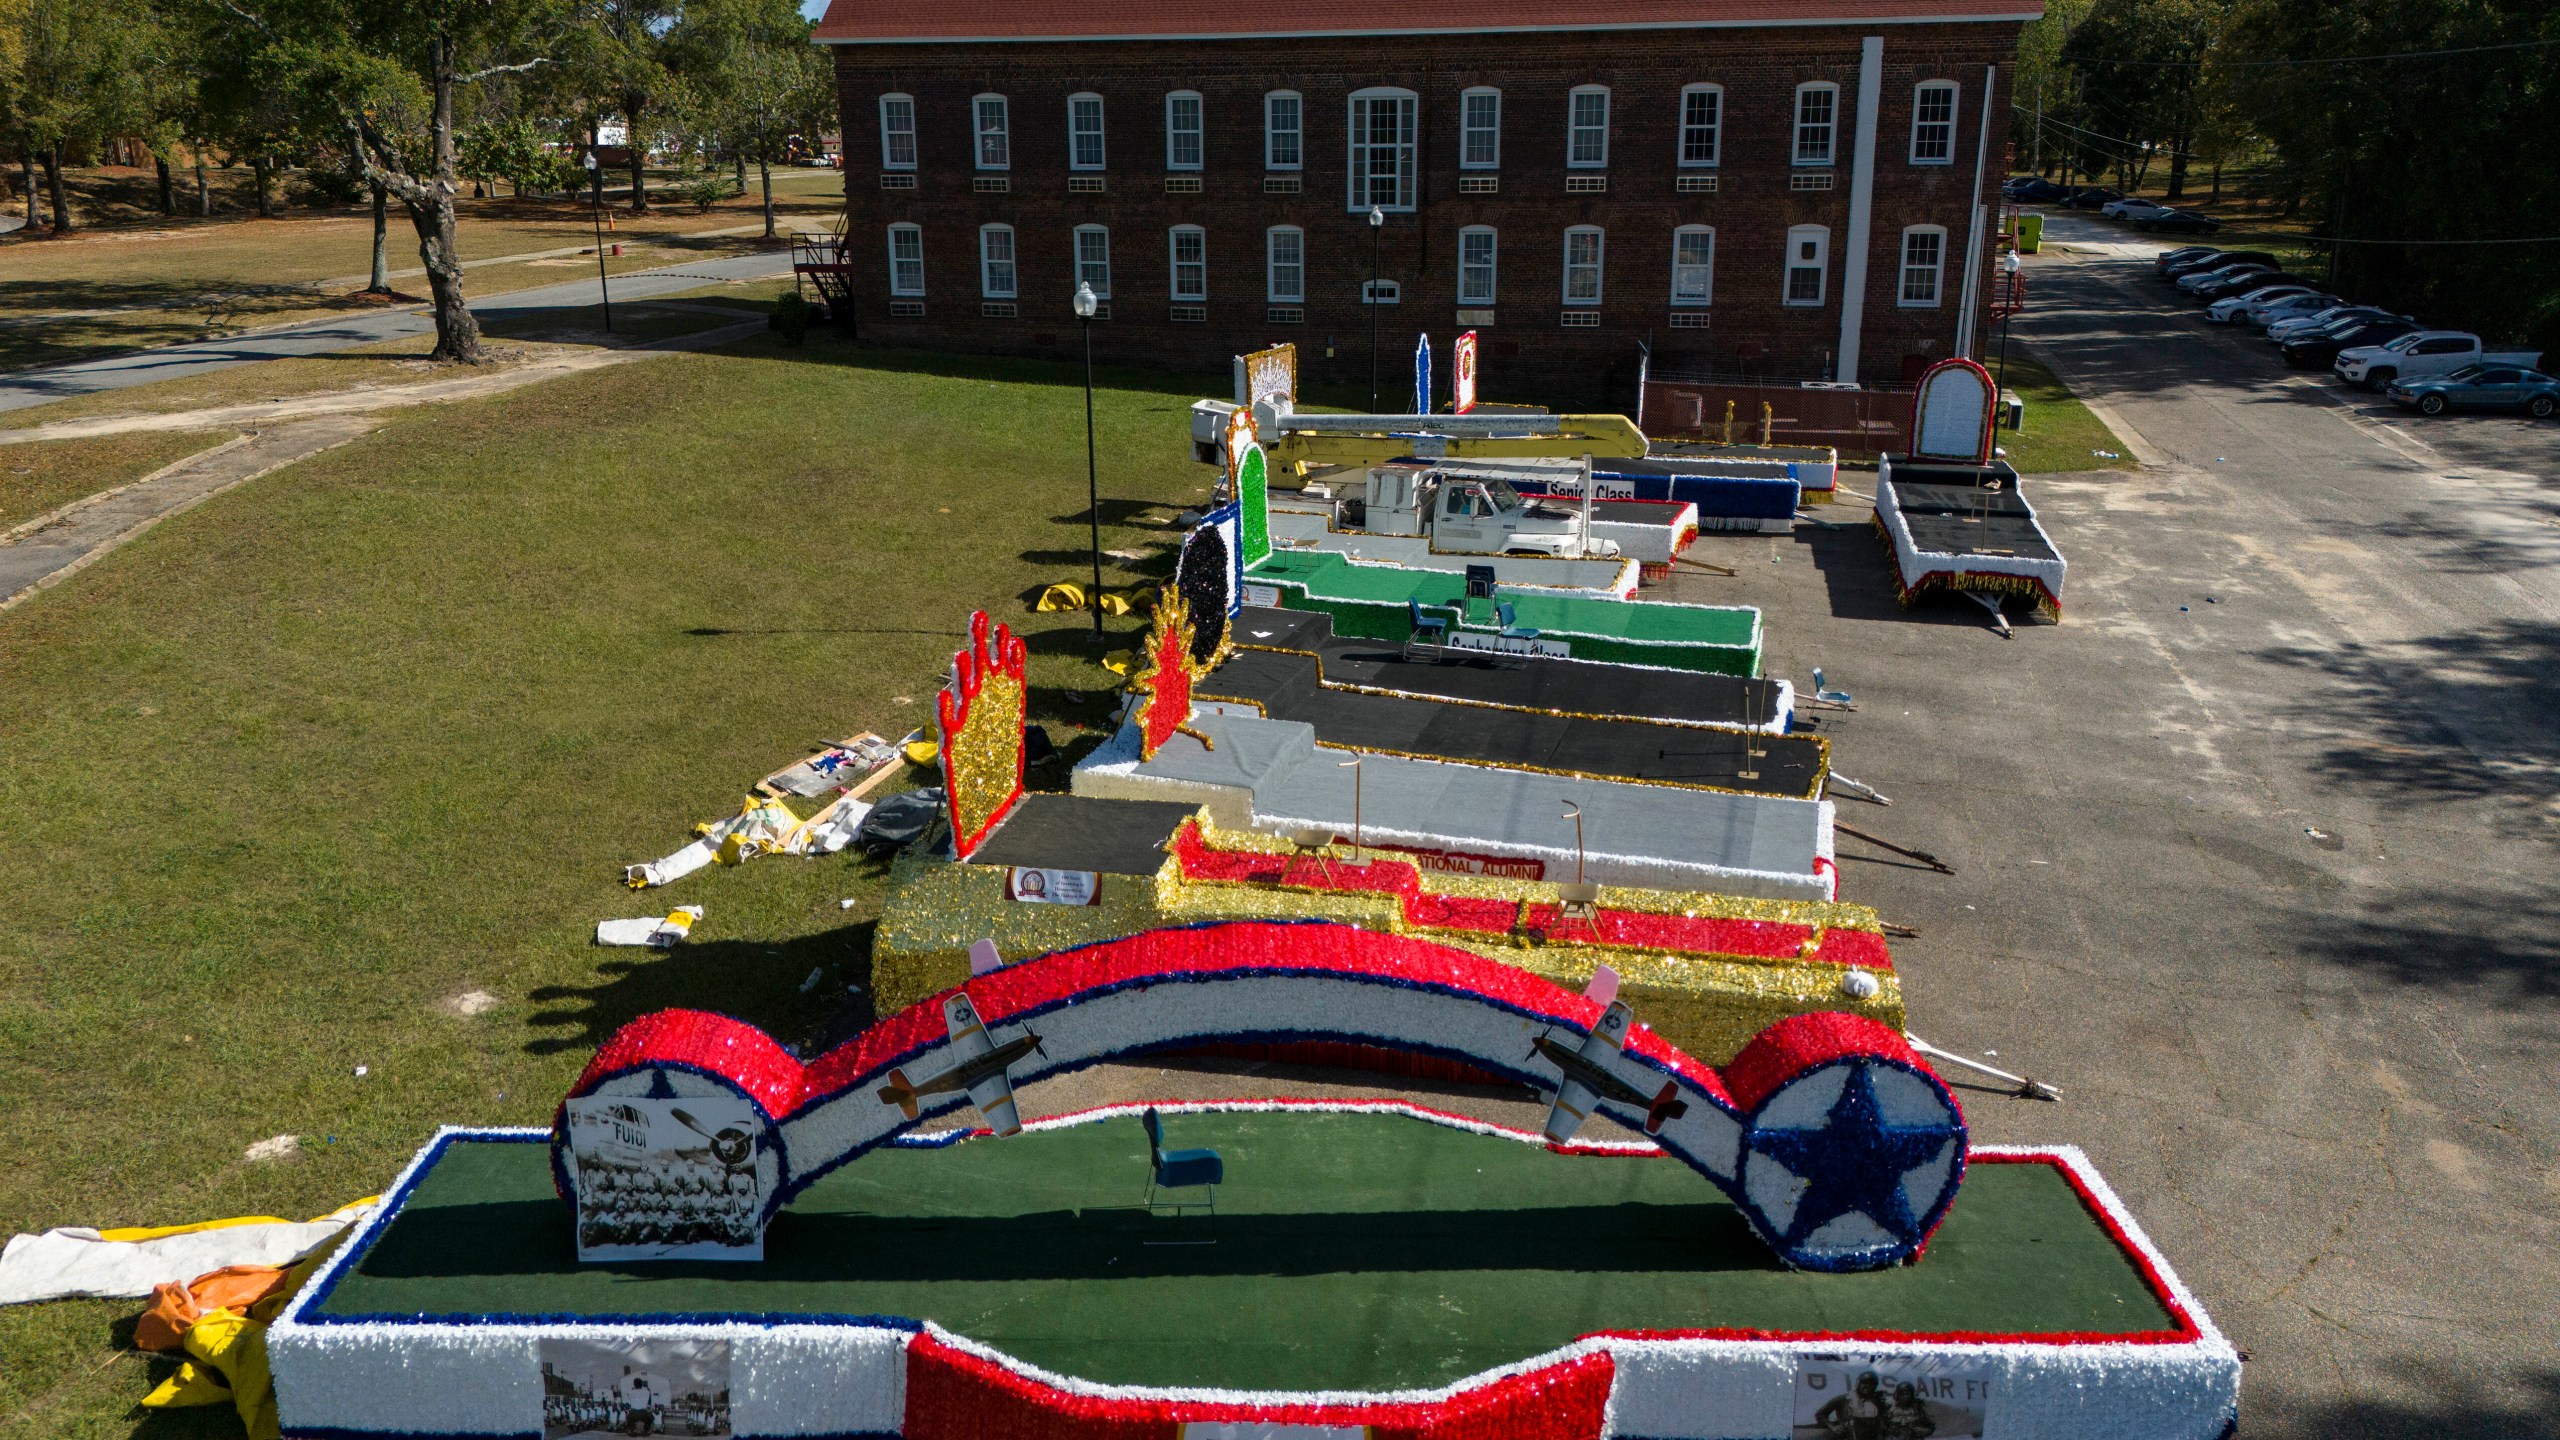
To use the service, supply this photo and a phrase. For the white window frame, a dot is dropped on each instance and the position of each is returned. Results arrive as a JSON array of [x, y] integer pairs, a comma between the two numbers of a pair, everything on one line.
[[906, 230], [1706, 295], [1406, 146], [1199, 132], [1574, 129], [1002, 134], [1829, 125], [1943, 132], [1714, 128], [1271, 291], [1084, 276], [1101, 155], [1492, 266], [891, 133], [1820, 265], [1936, 270], [1272, 130], [1468, 130], [1597, 265], [987, 262], [1173, 261]]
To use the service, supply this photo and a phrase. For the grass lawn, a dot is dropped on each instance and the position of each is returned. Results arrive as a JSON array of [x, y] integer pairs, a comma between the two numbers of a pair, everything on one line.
[[179, 280], [37, 477], [2060, 433], [403, 710]]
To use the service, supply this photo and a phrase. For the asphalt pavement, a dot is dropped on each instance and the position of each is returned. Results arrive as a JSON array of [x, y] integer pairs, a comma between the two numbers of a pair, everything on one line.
[[324, 337], [2255, 850]]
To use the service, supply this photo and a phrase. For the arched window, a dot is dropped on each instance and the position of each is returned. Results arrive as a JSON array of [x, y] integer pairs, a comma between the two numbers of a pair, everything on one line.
[[993, 119], [906, 260], [1933, 123], [1693, 266], [1184, 147], [1084, 132], [1924, 265], [1587, 128], [898, 132], [998, 279], [1808, 265], [1817, 121], [1582, 246], [1189, 249], [1093, 259], [1475, 265], [1480, 129], [1284, 131], [1701, 125], [1382, 148]]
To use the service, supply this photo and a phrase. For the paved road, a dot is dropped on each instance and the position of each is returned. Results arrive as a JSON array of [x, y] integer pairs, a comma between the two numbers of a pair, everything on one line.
[[38, 387], [2257, 851]]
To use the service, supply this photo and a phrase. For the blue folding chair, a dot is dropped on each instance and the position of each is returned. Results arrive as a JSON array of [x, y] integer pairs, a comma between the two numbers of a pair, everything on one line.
[[1427, 629], [1509, 616], [1180, 1169]]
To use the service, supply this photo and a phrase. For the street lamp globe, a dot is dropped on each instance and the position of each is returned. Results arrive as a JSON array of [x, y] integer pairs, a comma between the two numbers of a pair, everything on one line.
[[1377, 217], [1086, 301], [2009, 262], [588, 160]]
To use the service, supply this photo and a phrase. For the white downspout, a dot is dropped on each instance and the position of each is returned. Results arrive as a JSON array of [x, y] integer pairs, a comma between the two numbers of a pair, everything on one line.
[[1862, 191], [1972, 291]]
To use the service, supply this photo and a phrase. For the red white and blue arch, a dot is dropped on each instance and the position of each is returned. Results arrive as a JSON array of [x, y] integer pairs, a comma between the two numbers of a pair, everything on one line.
[[1837, 1142]]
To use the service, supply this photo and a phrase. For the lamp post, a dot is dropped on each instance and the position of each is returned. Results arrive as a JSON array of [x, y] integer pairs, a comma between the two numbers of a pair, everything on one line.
[[1377, 235], [2009, 278], [1086, 304], [595, 183]]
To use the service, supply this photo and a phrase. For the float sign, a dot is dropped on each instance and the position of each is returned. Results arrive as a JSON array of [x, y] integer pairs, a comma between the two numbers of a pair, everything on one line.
[[1462, 372]]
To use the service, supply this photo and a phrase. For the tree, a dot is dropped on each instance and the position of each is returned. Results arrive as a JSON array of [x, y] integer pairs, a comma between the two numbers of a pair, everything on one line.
[[72, 82], [2139, 61], [757, 79], [616, 57]]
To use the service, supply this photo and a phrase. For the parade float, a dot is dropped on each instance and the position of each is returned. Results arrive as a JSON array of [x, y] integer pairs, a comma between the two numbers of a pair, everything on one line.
[[1954, 516]]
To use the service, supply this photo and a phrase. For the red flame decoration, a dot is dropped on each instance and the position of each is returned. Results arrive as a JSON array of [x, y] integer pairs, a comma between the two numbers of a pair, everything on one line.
[[982, 763]]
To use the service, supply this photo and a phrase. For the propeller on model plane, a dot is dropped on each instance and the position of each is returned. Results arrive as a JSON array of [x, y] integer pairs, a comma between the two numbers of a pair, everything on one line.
[[978, 1069], [730, 1146], [1588, 1075]]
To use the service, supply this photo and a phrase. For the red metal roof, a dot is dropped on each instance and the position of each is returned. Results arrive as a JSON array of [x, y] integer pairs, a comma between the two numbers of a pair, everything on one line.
[[877, 21]]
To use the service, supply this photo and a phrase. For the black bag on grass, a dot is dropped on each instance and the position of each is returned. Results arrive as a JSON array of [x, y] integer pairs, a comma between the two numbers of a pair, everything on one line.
[[899, 821]]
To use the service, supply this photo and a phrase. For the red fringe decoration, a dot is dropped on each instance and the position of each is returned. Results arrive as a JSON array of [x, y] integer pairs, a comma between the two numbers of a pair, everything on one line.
[[954, 1395], [1800, 1042]]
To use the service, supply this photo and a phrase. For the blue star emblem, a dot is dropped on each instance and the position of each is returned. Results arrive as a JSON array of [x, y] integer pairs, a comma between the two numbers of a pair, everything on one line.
[[1853, 1162]]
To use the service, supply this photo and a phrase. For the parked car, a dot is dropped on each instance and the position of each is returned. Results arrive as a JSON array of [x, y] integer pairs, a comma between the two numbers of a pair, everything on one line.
[[2218, 259], [2131, 207], [2034, 188], [2480, 387], [2321, 347], [2423, 354], [2228, 309], [2090, 197], [2195, 281], [2207, 294], [2259, 314], [2177, 222], [2292, 326], [2181, 256]]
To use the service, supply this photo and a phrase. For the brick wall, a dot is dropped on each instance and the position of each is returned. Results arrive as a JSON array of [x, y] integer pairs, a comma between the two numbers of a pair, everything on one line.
[[1528, 355]]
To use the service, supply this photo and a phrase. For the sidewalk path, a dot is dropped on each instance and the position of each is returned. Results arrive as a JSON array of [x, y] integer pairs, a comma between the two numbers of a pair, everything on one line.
[[325, 337]]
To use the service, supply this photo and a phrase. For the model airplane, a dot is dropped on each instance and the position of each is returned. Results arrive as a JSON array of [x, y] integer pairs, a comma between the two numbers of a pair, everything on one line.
[[1589, 1074], [978, 1066]]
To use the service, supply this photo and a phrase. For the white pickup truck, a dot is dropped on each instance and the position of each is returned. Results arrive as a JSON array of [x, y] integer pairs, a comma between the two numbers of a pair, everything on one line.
[[2423, 352]]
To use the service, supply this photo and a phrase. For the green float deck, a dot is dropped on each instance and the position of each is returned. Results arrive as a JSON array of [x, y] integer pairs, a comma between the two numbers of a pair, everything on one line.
[[1369, 1252], [1370, 601]]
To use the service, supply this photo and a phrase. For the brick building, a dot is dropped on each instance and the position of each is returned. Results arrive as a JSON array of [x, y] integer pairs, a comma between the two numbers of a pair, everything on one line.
[[1792, 187]]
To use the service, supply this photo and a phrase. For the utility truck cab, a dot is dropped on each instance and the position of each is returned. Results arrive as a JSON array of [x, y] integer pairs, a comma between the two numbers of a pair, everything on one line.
[[1475, 516]]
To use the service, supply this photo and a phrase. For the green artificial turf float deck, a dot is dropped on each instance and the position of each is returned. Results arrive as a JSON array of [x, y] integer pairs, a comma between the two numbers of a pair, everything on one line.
[[1369, 1252], [1370, 602]]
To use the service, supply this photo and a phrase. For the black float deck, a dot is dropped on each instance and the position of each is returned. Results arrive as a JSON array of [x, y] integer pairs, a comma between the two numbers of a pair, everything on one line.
[[1085, 832], [1579, 687], [1287, 685], [1952, 510]]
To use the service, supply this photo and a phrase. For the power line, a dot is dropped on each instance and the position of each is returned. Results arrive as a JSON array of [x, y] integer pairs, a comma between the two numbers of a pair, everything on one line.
[[2328, 60]]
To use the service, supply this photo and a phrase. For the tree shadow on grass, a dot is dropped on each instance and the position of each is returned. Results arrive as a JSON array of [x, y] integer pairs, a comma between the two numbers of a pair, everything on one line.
[[1013, 370], [757, 981]]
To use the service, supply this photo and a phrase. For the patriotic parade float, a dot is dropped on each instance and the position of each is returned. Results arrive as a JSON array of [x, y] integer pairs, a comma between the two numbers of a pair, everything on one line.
[[1753, 1211]]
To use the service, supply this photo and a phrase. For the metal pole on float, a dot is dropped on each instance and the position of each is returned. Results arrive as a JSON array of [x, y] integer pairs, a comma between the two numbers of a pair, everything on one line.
[[1086, 304]]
